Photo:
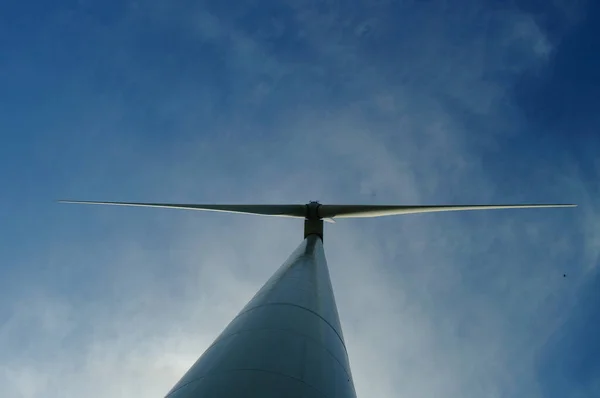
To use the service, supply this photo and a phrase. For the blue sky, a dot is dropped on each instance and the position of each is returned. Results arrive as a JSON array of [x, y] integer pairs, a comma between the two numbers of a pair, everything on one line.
[[275, 101]]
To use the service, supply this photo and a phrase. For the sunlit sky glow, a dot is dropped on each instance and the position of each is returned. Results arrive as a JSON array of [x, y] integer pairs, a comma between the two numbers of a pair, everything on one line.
[[407, 102]]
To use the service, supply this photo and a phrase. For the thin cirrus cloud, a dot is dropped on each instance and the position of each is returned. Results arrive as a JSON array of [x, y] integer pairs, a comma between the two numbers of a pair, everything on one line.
[[386, 103]]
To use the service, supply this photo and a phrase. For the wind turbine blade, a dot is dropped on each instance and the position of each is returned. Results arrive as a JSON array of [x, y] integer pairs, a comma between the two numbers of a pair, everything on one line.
[[295, 211], [367, 211]]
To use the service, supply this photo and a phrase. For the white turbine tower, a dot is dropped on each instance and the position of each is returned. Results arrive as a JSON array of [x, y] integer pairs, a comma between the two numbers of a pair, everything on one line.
[[287, 341]]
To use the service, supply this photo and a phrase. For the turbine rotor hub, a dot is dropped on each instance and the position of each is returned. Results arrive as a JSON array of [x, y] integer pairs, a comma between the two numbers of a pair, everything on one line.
[[312, 210], [313, 224]]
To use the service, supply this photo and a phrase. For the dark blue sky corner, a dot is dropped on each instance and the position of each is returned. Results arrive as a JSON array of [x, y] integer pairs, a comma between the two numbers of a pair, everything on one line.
[[562, 98]]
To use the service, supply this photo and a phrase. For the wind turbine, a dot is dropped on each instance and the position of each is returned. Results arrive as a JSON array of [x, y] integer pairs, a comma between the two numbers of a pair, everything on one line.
[[287, 341]]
